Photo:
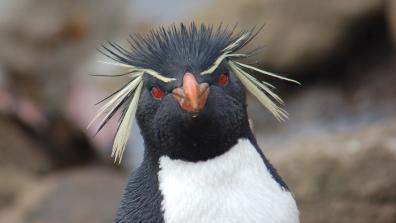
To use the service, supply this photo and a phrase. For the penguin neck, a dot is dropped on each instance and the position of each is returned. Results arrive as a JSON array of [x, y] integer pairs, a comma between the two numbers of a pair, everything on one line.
[[198, 145]]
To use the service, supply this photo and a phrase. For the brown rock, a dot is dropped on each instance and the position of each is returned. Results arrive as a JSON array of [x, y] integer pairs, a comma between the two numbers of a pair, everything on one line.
[[390, 9], [16, 145], [21, 156], [345, 177], [81, 195], [43, 42], [297, 33]]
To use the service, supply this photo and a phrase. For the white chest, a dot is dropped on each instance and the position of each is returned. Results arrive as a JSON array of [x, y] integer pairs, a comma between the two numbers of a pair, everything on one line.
[[233, 187]]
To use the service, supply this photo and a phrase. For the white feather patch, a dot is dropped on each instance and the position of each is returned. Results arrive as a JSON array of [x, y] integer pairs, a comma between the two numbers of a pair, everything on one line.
[[234, 187]]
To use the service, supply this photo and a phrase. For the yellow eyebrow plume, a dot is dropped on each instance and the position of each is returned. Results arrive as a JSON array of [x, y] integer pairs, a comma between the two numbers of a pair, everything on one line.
[[260, 89], [130, 92]]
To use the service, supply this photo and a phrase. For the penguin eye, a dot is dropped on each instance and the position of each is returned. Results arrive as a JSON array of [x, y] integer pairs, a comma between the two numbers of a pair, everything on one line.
[[157, 93], [223, 79]]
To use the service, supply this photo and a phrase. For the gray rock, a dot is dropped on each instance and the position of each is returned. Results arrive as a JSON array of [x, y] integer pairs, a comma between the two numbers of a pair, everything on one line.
[[298, 34], [80, 195], [390, 9], [344, 177]]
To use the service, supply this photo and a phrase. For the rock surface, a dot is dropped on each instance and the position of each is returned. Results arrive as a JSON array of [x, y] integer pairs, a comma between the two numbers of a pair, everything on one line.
[[390, 8], [80, 195], [344, 177], [29, 154], [298, 34]]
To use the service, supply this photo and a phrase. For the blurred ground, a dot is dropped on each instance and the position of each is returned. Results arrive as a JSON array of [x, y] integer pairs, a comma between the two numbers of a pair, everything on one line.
[[337, 152]]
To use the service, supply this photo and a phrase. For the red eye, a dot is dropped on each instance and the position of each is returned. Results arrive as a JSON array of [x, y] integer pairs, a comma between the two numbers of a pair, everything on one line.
[[157, 92], [223, 79]]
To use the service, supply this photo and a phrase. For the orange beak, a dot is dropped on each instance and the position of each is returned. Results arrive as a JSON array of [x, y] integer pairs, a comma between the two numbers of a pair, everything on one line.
[[191, 96]]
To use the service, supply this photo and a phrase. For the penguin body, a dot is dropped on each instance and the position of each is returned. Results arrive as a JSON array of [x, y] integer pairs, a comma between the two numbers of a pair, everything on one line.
[[234, 187], [201, 160], [239, 185]]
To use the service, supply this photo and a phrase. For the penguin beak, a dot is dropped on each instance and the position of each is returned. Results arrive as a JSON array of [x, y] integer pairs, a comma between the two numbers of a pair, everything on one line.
[[191, 96]]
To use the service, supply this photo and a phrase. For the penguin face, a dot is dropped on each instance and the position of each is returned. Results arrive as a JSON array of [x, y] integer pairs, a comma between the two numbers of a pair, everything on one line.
[[196, 110]]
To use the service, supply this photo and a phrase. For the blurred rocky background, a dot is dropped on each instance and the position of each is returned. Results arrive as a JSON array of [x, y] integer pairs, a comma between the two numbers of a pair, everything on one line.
[[337, 152]]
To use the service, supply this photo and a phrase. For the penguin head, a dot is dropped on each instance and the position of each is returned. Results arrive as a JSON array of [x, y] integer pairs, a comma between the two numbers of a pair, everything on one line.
[[187, 90]]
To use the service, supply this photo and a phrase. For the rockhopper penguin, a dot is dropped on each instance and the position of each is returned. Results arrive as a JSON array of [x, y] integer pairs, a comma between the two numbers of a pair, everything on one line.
[[202, 162]]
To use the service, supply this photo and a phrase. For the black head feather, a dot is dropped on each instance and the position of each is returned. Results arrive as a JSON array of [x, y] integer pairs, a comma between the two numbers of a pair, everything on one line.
[[177, 48]]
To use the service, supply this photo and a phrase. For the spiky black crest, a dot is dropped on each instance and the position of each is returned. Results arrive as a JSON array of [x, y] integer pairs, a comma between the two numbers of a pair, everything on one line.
[[166, 50]]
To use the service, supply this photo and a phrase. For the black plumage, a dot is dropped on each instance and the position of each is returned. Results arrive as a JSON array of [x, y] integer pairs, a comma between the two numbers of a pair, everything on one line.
[[167, 127], [169, 50]]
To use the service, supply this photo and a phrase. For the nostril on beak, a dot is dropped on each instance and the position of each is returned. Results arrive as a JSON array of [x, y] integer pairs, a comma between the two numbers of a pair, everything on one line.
[[191, 96]]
